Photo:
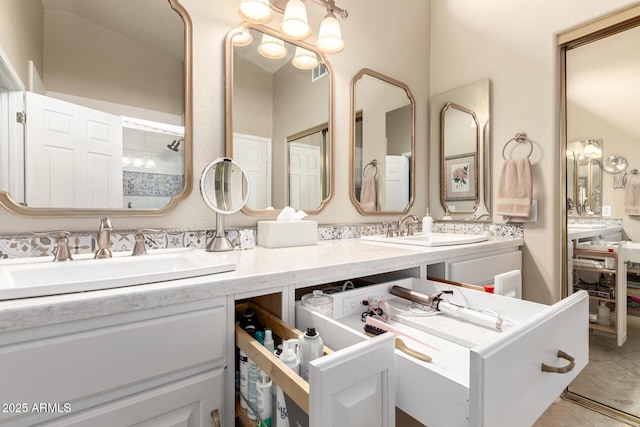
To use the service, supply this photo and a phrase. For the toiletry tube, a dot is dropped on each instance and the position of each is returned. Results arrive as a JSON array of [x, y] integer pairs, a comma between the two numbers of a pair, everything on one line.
[[244, 385], [264, 398], [253, 374]]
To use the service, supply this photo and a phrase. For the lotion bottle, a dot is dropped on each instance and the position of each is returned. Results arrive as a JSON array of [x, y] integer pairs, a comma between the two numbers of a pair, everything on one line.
[[289, 358], [264, 400], [427, 223]]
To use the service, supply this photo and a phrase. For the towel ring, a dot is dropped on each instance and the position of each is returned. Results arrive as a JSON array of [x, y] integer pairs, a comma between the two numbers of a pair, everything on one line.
[[519, 138], [373, 163]]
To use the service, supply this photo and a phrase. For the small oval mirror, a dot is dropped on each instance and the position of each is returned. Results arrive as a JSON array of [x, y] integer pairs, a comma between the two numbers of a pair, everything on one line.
[[224, 186], [615, 164]]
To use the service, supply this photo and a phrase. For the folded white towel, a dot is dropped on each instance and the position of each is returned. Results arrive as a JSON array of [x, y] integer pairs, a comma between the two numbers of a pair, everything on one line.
[[515, 189], [632, 195]]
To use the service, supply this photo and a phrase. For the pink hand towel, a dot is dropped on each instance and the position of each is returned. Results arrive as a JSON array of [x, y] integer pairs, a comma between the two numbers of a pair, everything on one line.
[[369, 200], [515, 189], [632, 195]]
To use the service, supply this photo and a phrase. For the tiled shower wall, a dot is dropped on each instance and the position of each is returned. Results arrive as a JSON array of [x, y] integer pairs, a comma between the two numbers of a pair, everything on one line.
[[22, 246]]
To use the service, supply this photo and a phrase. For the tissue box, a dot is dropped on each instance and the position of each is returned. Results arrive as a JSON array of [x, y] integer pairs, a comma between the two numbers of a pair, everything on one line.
[[282, 234]]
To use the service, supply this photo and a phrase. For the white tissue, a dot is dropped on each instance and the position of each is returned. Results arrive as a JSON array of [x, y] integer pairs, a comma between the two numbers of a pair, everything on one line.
[[290, 214]]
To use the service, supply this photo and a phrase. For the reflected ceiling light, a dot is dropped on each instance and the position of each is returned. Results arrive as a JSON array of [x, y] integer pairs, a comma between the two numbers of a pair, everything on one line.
[[150, 164], [255, 11], [272, 48], [137, 162], [126, 161], [591, 149], [242, 37], [295, 23], [305, 59], [330, 35]]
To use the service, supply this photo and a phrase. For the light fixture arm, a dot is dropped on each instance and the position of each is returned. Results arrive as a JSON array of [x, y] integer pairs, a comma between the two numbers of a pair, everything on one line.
[[330, 5]]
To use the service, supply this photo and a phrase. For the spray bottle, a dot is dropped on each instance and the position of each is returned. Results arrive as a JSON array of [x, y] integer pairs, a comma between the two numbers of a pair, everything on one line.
[[289, 358], [310, 347]]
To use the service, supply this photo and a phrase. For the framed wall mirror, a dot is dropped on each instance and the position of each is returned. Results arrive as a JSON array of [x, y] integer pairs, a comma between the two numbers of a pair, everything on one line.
[[585, 193], [600, 64], [460, 160], [102, 93], [382, 144], [279, 120]]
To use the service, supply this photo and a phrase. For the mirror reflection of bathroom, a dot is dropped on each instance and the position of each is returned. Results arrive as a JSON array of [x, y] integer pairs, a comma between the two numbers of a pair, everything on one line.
[[602, 135], [584, 160], [224, 186], [90, 114]]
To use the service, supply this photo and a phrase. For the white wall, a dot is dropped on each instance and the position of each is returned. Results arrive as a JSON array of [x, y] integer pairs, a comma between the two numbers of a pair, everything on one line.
[[396, 47], [514, 43]]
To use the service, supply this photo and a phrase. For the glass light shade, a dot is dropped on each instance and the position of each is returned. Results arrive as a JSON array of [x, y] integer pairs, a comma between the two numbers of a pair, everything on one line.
[[330, 35], [242, 37], [137, 162], [295, 23], [272, 48], [150, 164], [126, 161], [255, 11], [305, 59]]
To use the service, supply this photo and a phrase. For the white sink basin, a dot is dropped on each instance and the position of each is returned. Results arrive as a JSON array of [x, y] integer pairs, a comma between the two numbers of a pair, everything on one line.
[[586, 226], [432, 239], [37, 277]]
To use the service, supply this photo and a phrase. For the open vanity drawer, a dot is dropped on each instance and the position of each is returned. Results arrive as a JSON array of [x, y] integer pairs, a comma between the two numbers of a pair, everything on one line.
[[341, 389], [478, 376]]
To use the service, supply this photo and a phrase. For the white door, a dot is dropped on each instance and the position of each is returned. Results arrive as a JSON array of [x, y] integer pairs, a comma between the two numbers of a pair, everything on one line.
[[254, 155], [344, 390], [305, 190], [73, 155], [396, 183]]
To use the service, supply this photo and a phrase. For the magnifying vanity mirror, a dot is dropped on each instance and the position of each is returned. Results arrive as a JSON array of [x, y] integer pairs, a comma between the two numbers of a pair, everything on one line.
[[460, 121], [100, 89], [382, 144], [224, 186], [279, 120], [615, 164]]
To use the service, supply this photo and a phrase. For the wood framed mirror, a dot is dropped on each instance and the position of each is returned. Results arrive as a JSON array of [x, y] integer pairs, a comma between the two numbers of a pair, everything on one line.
[[118, 140], [382, 175]]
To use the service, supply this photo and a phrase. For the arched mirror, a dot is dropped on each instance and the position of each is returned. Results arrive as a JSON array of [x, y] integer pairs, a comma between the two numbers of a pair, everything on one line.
[[601, 97], [279, 119], [382, 144], [102, 92], [460, 161]]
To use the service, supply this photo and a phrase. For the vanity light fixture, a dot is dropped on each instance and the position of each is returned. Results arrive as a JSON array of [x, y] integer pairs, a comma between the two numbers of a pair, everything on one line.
[[295, 23], [305, 59], [242, 37], [272, 48]]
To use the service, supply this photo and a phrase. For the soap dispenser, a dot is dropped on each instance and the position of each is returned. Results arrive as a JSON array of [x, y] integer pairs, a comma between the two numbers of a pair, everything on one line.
[[427, 223]]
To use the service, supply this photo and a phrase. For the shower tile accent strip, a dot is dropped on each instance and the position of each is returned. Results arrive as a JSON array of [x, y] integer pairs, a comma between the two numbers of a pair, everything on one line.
[[24, 246], [151, 184]]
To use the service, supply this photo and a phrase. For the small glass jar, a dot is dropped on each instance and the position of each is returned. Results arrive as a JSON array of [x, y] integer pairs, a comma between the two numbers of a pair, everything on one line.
[[319, 302]]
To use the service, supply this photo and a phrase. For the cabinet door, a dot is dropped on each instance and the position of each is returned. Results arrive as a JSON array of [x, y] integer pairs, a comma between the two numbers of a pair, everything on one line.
[[354, 386], [185, 403]]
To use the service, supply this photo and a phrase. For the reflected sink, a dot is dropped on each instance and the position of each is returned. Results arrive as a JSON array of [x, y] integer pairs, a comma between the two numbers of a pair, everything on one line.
[[433, 239], [39, 277], [587, 226]]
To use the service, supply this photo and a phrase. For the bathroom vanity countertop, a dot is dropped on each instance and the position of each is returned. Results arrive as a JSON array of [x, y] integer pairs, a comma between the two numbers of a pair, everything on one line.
[[584, 233], [258, 269]]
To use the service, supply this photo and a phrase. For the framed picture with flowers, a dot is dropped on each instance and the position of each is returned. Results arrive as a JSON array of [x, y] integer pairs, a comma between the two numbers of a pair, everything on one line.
[[460, 177]]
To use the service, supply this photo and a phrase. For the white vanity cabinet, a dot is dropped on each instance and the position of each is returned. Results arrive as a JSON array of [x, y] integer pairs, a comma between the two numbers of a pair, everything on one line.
[[478, 376], [162, 366], [477, 269]]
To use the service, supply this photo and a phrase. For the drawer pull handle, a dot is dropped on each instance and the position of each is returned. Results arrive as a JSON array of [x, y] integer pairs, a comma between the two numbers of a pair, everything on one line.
[[216, 418], [400, 345], [564, 369]]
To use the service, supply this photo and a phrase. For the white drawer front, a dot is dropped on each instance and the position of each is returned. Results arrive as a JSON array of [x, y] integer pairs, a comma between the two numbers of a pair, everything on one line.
[[507, 385], [69, 368], [481, 271]]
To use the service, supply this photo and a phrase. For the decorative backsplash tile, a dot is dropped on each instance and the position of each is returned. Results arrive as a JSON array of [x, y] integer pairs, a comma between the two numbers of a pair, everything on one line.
[[21, 246], [151, 184]]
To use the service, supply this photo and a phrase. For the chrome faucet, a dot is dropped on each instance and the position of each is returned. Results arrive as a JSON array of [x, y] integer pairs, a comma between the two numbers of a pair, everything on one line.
[[62, 252], [103, 239], [411, 219]]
